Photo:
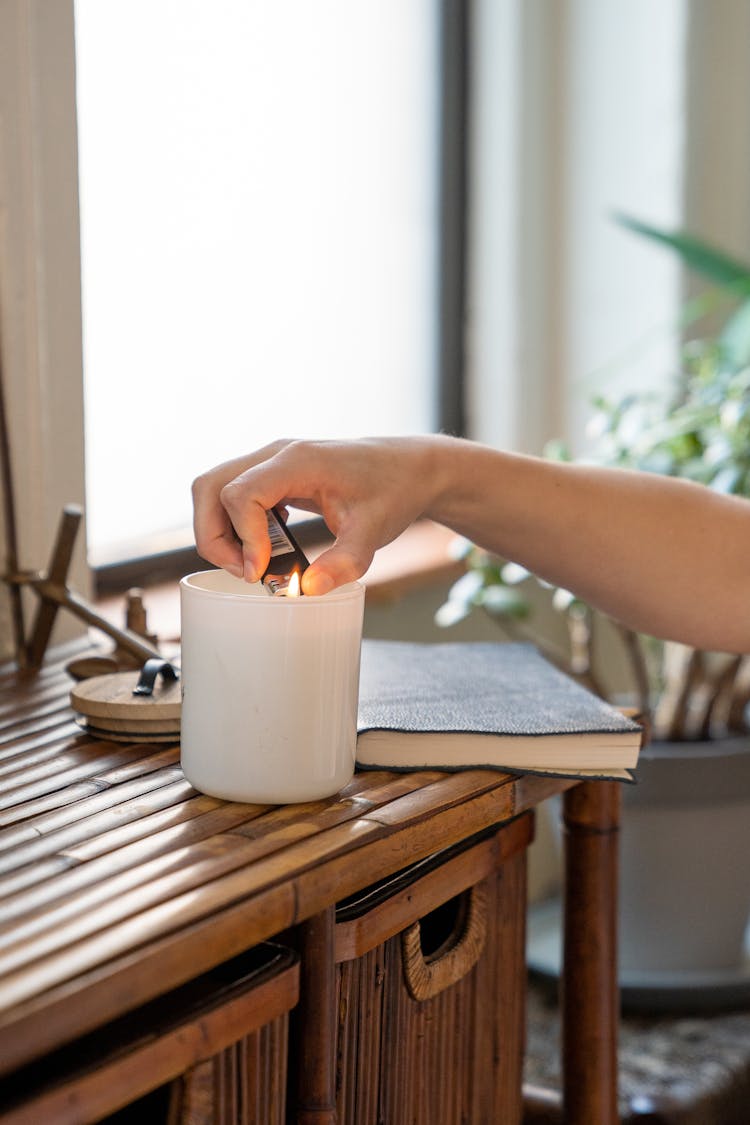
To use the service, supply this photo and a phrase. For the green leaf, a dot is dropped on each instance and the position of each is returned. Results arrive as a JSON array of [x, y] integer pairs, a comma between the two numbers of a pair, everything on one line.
[[451, 612], [696, 254], [563, 600], [466, 588], [460, 548], [512, 574], [505, 601], [726, 480], [557, 450], [735, 338]]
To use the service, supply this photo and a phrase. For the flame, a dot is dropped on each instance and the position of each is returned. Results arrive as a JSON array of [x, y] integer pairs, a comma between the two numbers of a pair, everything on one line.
[[293, 589]]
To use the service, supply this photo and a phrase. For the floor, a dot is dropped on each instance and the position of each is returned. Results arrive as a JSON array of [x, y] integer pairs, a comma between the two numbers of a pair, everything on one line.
[[695, 1069]]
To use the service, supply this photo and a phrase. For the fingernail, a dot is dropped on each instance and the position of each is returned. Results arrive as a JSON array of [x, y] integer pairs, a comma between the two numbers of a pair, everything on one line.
[[320, 584], [250, 573], [232, 568]]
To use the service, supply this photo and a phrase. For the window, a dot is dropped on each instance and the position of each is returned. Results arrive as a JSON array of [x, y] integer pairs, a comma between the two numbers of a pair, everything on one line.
[[561, 134], [259, 213]]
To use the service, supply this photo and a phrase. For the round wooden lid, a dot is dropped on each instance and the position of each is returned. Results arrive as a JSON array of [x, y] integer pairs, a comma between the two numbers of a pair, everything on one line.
[[165, 726], [111, 697], [141, 735]]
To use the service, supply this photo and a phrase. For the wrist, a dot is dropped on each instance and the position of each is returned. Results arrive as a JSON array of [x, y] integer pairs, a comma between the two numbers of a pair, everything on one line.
[[453, 470], [434, 474]]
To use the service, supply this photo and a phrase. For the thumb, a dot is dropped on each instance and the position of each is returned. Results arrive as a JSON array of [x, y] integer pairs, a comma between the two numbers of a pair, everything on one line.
[[344, 562]]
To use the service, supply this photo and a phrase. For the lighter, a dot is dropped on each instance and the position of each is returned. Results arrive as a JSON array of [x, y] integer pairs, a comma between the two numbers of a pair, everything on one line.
[[287, 557]]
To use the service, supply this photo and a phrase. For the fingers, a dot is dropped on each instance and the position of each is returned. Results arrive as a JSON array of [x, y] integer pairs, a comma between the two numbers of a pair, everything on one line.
[[342, 563], [231, 524], [367, 492], [223, 530], [215, 538], [249, 520]]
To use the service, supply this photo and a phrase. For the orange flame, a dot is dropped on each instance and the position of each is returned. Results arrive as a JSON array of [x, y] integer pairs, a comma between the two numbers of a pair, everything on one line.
[[293, 589]]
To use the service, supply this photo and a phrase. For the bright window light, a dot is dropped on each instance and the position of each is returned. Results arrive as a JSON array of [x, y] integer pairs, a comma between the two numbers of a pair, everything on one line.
[[258, 212]]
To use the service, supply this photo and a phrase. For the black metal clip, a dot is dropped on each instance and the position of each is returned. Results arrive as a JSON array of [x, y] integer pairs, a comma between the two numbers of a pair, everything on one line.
[[150, 671]]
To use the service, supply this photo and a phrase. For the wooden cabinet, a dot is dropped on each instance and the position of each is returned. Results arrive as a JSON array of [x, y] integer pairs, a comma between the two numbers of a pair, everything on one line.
[[430, 989], [126, 899], [213, 1052]]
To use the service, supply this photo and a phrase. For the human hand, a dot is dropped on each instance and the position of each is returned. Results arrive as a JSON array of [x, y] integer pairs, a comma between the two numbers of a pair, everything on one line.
[[367, 491]]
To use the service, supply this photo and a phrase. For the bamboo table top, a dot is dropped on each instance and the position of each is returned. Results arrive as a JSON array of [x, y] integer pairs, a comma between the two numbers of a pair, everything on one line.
[[118, 881]]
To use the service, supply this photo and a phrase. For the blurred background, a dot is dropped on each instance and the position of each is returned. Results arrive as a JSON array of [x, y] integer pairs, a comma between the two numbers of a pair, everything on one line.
[[223, 223]]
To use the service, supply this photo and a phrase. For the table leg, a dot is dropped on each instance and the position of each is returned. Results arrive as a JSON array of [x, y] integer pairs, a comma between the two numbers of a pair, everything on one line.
[[315, 1023], [589, 993]]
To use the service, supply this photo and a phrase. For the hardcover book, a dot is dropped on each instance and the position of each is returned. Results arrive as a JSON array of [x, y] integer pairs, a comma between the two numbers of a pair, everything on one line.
[[499, 705]]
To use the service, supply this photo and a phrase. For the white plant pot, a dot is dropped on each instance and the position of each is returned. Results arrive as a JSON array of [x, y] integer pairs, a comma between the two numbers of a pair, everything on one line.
[[684, 899], [685, 859]]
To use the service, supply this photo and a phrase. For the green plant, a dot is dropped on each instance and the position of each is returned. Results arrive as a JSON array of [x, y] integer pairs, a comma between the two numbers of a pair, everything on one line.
[[700, 432]]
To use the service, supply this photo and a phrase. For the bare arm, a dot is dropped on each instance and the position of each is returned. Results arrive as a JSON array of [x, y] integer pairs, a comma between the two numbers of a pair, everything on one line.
[[661, 555]]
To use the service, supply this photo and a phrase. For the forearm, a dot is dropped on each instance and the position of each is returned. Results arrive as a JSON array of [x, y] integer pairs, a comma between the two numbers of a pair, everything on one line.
[[661, 555]]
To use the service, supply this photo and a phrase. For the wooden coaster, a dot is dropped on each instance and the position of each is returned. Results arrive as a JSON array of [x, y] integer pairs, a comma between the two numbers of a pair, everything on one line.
[[108, 704], [139, 736], [86, 667], [127, 726]]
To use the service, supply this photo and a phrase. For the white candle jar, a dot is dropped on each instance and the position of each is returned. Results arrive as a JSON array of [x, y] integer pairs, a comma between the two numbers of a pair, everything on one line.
[[270, 689]]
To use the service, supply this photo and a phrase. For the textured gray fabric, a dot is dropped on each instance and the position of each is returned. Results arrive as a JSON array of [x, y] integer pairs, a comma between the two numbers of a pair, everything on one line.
[[482, 687]]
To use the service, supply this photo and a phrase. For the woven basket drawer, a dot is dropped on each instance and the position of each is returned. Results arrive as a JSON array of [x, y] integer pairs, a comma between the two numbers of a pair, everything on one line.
[[213, 1052], [431, 990]]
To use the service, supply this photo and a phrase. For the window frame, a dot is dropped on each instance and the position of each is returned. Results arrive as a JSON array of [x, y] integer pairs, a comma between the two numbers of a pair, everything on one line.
[[453, 52]]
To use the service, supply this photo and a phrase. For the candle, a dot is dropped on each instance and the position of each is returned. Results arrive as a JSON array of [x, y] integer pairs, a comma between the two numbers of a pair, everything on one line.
[[270, 688]]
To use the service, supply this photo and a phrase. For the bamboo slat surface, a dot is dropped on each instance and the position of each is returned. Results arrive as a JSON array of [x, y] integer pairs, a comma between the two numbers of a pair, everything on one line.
[[118, 881]]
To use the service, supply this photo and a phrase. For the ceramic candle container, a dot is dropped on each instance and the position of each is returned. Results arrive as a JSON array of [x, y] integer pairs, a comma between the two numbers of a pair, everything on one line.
[[270, 688]]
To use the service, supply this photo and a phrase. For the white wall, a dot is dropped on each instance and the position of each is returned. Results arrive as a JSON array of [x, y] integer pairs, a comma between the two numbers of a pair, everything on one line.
[[625, 90], [580, 111], [40, 276], [717, 157]]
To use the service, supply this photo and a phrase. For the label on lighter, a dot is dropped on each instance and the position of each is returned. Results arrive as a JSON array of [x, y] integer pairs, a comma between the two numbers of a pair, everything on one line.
[[287, 557], [280, 542]]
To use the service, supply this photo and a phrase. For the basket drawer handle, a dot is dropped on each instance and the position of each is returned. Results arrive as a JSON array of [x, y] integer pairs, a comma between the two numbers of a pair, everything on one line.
[[426, 978]]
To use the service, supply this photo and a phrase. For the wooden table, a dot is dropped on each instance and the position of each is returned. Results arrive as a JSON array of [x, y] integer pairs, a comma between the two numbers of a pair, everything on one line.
[[119, 882]]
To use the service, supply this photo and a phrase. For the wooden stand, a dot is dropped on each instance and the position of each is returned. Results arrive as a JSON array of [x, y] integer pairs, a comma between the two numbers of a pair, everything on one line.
[[51, 588], [120, 885], [314, 1043], [589, 995]]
